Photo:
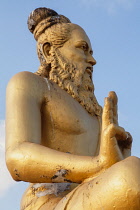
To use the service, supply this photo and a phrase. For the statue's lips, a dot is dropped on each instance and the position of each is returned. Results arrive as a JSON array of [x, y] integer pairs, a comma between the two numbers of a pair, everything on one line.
[[89, 70]]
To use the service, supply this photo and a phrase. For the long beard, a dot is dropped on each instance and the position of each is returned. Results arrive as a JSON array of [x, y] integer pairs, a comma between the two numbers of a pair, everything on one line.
[[75, 81]]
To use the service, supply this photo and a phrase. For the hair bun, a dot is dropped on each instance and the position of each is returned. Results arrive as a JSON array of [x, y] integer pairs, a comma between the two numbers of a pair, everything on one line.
[[38, 15]]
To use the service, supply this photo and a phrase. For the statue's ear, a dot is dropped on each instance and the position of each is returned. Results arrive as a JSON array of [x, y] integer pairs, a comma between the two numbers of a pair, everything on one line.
[[46, 49]]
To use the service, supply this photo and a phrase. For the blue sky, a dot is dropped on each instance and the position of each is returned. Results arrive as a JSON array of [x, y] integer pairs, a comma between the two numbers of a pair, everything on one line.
[[113, 27]]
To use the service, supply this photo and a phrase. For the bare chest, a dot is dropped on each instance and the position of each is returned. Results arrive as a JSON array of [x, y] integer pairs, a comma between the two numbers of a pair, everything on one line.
[[67, 126]]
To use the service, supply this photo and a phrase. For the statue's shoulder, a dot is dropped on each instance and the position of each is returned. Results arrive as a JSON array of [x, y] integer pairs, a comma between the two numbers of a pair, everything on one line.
[[25, 78], [27, 82]]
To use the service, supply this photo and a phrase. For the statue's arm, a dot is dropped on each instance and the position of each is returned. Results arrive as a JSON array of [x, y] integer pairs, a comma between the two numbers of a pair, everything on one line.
[[26, 158]]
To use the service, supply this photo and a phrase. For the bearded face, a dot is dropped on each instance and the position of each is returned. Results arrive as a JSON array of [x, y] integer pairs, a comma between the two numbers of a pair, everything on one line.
[[66, 59], [77, 82]]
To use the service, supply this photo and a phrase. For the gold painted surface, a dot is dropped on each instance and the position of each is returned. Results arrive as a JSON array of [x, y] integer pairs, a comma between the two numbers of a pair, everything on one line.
[[75, 155]]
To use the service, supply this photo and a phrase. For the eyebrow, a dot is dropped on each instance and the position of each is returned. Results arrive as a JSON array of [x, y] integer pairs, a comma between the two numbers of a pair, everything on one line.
[[82, 41]]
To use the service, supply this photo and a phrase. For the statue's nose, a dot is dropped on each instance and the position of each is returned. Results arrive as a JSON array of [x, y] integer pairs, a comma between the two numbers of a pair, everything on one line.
[[91, 60]]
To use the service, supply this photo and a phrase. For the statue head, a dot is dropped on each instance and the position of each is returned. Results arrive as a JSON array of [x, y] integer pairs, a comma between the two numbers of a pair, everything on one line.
[[65, 54]]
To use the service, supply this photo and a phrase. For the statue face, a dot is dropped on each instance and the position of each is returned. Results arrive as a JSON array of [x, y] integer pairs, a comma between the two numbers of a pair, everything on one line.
[[71, 67], [78, 50]]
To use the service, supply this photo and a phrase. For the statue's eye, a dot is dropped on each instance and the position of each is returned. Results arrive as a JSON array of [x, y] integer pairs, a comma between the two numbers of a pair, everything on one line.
[[91, 52], [84, 47]]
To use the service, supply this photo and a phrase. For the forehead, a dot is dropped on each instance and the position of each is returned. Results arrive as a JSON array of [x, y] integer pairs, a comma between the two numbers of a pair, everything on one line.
[[78, 34]]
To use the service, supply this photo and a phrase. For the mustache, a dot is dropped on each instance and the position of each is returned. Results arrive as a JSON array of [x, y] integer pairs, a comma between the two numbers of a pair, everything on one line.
[[89, 70]]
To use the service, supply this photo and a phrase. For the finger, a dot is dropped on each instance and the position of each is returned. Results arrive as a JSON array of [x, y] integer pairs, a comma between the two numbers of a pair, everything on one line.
[[129, 136], [116, 131], [125, 140], [129, 140], [114, 98], [126, 153], [107, 116]]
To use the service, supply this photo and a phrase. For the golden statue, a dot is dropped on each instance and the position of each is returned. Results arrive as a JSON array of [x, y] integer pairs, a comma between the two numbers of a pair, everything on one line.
[[73, 153]]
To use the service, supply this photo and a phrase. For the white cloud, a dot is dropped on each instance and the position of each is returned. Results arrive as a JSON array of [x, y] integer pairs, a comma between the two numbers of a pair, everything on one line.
[[5, 179], [110, 5]]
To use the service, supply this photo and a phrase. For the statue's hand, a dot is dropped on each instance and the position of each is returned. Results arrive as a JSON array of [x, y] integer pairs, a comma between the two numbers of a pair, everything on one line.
[[114, 139]]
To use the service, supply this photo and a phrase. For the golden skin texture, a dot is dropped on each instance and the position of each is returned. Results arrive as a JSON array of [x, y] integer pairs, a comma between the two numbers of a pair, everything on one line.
[[47, 132]]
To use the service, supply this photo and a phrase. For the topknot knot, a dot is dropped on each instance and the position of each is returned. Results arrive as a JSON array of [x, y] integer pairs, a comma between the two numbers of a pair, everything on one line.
[[42, 18], [38, 15]]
